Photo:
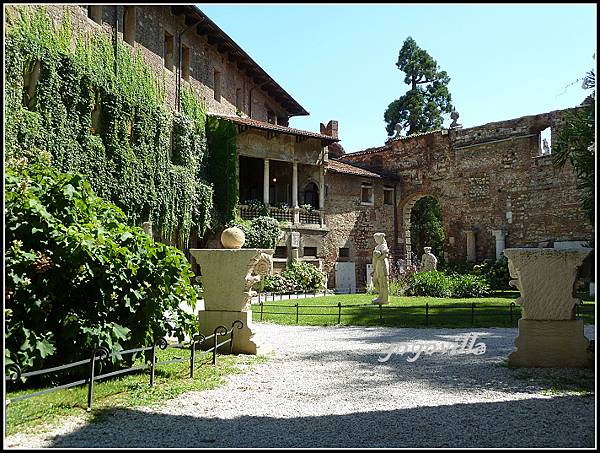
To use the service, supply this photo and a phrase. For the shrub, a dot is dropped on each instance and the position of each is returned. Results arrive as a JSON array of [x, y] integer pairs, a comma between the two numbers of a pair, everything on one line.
[[298, 276], [78, 277], [495, 272], [432, 283], [441, 284], [306, 277], [262, 232], [468, 285]]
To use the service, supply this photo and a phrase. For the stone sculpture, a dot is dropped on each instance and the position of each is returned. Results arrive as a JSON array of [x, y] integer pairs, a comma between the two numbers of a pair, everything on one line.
[[381, 269], [455, 125], [549, 335], [428, 260], [227, 277]]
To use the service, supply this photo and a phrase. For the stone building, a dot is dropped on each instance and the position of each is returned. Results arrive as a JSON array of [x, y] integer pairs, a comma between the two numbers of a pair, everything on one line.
[[496, 185]]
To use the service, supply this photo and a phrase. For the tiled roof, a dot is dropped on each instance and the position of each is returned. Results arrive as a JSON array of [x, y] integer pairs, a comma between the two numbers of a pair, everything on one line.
[[272, 127], [206, 27], [343, 167]]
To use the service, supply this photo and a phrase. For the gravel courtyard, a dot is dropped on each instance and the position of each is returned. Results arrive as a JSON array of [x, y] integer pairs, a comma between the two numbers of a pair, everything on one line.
[[325, 387]]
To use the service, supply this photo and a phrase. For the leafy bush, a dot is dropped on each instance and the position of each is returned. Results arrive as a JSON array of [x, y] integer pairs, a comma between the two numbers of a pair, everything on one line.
[[78, 277], [305, 276], [432, 283], [441, 284], [298, 276], [261, 232], [276, 284], [468, 285], [495, 272]]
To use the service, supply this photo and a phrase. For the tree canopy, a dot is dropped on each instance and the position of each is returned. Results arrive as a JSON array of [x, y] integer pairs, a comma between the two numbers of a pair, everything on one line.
[[421, 108], [575, 144]]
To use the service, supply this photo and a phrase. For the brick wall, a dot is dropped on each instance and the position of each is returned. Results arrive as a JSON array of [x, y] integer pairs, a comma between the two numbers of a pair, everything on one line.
[[486, 178], [352, 224], [151, 24]]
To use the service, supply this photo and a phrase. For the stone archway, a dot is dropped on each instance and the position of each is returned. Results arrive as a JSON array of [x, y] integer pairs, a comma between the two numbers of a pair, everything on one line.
[[411, 255]]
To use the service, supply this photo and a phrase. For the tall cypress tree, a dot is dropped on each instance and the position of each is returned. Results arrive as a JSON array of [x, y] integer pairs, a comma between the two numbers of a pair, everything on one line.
[[421, 108]]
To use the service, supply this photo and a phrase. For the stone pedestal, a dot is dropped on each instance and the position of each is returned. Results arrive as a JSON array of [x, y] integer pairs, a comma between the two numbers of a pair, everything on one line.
[[549, 334], [559, 344], [227, 277]]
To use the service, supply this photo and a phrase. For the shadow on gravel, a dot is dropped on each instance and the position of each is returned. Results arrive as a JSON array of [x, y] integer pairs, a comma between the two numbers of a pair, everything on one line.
[[462, 372], [537, 422]]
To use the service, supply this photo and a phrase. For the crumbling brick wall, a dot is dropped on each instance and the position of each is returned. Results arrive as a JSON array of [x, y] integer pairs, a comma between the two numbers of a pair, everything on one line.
[[486, 178]]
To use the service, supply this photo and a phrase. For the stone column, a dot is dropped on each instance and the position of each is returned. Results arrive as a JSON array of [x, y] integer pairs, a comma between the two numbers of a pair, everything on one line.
[[147, 226], [471, 251], [295, 192], [500, 242], [266, 182], [549, 334], [294, 184], [227, 279]]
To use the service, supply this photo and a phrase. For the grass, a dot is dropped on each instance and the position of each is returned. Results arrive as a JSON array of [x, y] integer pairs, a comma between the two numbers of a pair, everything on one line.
[[357, 310], [127, 390]]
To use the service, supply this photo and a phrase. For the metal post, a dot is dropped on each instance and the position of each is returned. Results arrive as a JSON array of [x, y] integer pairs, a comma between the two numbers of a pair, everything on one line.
[[427, 313], [152, 365], [214, 360], [380, 312], [261, 311], [91, 380], [512, 304], [472, 313], [339, 312], [296, 312], [192, 357]]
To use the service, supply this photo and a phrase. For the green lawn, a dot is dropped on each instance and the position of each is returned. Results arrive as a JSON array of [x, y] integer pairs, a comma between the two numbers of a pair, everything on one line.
[[357, 310], [127, 390]]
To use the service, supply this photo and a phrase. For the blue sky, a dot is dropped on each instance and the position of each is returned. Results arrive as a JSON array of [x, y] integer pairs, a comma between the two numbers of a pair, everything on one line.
[[338, 61]]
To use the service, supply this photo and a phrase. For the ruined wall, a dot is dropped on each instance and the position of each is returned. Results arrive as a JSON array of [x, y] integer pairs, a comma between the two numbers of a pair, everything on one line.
[[486, 178], [151, 24], [352, 224]]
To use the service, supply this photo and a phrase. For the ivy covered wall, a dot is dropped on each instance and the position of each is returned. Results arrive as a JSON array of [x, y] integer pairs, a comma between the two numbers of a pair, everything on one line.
[[105, 117]]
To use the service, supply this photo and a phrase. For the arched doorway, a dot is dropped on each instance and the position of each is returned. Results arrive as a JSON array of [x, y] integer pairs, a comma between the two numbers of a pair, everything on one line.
[[311, 195], [423, 226]]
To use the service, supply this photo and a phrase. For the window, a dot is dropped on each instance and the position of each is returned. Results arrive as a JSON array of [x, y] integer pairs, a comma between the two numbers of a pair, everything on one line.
[[238, 99], [217, 85], [280, 252], [366, 193], [545, 142], [271, 117], [310, 251], [129, 25], [388, 195], [344, 252], [30, 80], [185, 63], [168, 51], [95, 13]]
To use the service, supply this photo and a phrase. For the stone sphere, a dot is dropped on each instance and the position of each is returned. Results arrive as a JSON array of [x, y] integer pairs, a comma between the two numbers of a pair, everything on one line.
[[233, 238]]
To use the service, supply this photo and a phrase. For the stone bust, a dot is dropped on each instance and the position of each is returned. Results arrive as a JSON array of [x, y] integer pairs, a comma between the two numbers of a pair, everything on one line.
[[428, 260]]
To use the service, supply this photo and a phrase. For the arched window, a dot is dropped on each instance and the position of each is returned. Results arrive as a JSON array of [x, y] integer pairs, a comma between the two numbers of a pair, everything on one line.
[[311, 195]]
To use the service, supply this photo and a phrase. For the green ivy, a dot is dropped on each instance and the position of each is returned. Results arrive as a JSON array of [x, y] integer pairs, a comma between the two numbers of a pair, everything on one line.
[[223, 168], [146, 160]]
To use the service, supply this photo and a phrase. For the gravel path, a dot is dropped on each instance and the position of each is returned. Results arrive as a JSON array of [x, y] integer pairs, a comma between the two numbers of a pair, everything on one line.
[[324, 387]]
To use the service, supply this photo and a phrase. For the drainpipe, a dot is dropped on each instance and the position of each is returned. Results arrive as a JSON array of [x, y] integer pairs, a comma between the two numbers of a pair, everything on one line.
[[179, 67]]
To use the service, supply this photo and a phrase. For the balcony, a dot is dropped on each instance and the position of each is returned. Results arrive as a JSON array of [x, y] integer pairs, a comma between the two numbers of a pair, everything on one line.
[[296, 216]]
